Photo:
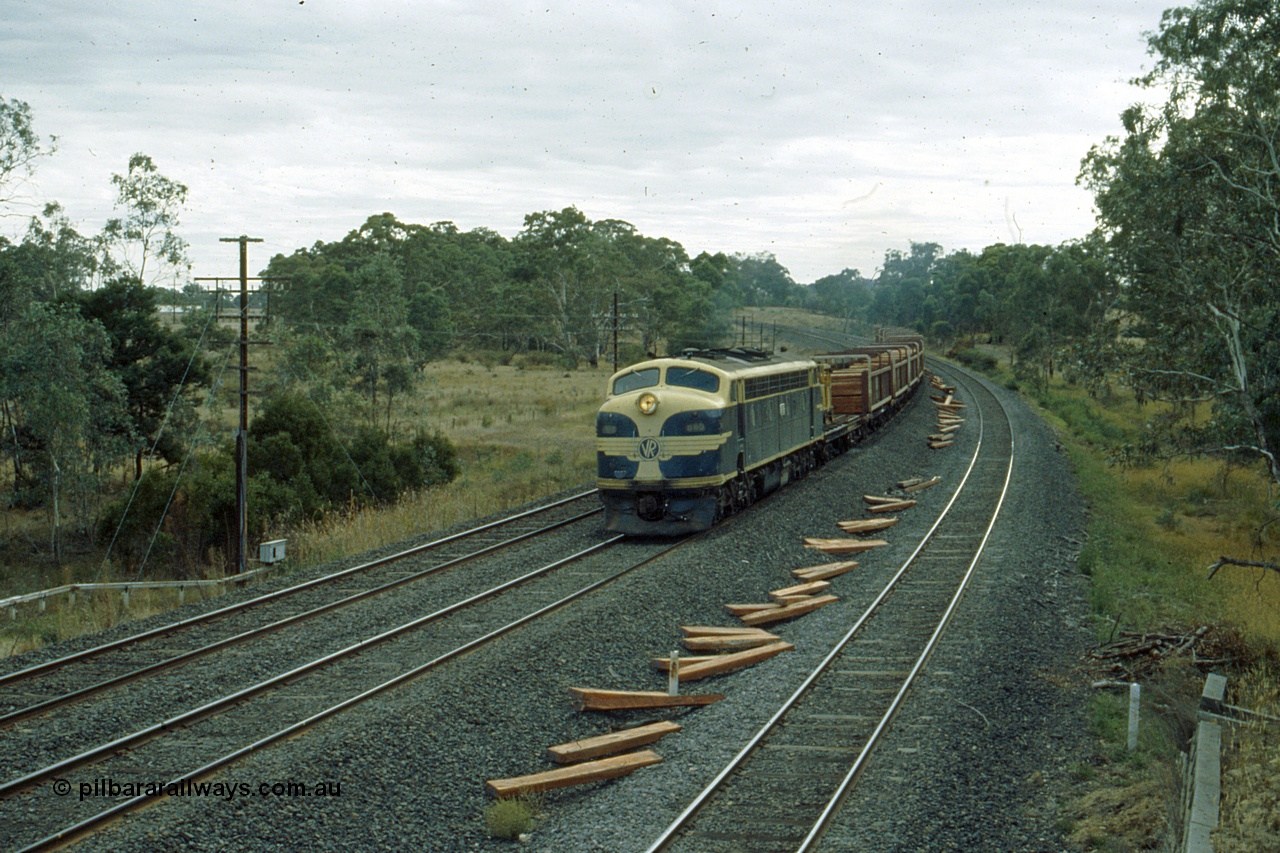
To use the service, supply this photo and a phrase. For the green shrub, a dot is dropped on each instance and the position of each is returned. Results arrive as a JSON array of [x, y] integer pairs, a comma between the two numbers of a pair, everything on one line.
[[974, 358], [510, 817], [544, 360]]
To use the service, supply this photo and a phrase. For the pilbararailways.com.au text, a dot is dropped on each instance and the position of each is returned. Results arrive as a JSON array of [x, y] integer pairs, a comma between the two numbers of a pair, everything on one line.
[[113, 788]]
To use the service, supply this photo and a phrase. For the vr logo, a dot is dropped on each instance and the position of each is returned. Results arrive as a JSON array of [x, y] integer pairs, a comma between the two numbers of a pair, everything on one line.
[[649, 448]]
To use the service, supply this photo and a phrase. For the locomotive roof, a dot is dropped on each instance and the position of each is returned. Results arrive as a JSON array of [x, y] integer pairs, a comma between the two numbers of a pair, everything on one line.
[[735, 362]]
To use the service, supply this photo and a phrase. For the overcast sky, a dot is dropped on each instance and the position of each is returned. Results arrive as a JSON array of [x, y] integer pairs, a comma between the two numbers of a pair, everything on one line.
[[823, 132]]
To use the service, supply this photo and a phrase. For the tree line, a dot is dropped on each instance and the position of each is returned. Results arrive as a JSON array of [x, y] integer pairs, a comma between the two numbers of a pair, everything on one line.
[[425, 289], [1174, 295], [109, 416]]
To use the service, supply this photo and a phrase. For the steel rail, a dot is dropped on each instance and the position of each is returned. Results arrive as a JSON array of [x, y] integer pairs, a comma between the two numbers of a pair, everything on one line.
[[673, 830], [186, 718], [837, 799], [279, 624], [183, 624], [88, 825]]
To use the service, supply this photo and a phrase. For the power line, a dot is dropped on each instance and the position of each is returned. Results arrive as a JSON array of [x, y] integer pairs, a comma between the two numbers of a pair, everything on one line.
[[195, 442], [195, 353]]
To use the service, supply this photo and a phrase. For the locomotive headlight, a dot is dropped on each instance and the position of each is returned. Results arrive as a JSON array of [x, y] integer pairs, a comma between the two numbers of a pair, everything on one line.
[[647, 403]]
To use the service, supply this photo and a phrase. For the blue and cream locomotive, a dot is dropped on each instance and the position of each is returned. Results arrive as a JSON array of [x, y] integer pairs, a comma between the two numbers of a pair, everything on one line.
[[683, 442]]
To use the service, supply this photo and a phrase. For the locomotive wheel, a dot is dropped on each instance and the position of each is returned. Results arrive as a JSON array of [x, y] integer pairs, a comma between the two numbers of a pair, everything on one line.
[[724, 502]]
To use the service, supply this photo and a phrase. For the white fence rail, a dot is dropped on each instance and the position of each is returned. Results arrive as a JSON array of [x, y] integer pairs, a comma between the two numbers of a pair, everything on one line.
[[39, 601]]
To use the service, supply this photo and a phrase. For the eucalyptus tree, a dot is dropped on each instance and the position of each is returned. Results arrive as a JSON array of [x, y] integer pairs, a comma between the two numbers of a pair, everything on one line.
[[905, 280], [563, 260], [845, 294], [20, 149], [765, 281], [660, 297], [151, 205], [1189, 198], [379, 338], [68, 260], [64, 410], [158, 368]]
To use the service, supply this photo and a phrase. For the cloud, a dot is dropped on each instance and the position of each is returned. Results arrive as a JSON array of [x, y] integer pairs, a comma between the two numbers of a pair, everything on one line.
[[741, 127]]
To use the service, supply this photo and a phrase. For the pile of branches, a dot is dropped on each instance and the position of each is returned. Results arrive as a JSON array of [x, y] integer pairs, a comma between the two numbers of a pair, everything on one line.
[[1138, 655]]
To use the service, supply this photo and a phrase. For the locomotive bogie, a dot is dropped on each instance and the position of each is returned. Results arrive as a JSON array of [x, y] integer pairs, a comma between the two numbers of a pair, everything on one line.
[[658, 511]]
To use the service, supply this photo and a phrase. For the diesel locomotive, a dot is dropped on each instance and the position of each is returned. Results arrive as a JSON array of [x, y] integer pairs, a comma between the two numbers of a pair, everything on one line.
[[685, 441]]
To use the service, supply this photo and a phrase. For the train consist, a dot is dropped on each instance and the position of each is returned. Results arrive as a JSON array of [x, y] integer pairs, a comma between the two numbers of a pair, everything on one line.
[[683, 442]]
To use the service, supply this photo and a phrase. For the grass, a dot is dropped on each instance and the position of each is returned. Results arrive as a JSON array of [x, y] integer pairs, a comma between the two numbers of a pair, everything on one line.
[[95, 611], [1152, 532], [1124, 797], [511, 817], [1154, 529], [1250, 813], [522, 432]]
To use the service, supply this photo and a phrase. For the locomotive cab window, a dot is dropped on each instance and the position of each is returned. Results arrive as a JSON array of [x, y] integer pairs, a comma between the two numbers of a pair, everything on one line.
[[638, 379], [692, 377]]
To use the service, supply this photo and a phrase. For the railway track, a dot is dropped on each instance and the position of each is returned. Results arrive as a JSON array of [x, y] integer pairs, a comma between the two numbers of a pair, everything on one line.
[[41, 803], [72, 678], [201, 740], [782, 789], [194, 745]]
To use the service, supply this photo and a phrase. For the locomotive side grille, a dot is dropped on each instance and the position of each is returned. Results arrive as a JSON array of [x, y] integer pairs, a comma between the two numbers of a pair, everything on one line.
[[763, 386]]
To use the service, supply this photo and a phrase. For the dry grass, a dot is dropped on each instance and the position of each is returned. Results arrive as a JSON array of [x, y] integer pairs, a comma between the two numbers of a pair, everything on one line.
[[91, 612], [1125, 800], [1250, 815], [1121, 812], [512, 817], [1157, 528], [760, 326], [521, 434], [1203, 510], [1153, 532]]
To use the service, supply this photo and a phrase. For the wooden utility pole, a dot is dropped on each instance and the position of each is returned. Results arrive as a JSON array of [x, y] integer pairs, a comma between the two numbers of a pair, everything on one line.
[[242, 432], [240, 557]]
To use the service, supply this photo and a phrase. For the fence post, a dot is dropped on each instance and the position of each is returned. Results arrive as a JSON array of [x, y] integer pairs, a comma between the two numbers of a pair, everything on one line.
[[1135, 694]]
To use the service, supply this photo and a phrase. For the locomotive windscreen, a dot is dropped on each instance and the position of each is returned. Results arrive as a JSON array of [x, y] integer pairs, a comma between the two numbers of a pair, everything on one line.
[[692, 377], [639, 379]]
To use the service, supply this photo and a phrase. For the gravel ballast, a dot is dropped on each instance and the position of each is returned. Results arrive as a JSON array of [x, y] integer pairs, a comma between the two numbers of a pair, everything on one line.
[[972, 762]]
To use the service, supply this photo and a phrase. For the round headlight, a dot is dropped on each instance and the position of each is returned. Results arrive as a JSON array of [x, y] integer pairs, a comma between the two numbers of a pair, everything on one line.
[[647, 403]]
